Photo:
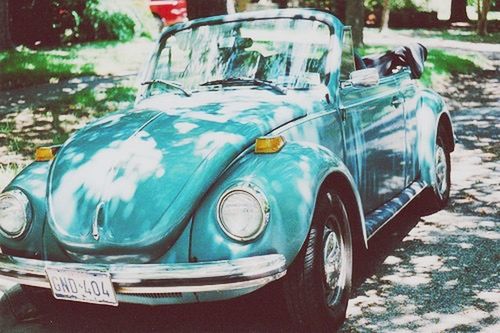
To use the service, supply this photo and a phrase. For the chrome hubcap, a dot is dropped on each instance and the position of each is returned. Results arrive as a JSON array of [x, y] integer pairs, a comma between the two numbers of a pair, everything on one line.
[[441, 171], [334, 259]]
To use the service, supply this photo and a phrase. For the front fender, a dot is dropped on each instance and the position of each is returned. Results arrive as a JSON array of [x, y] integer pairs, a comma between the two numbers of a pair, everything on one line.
[[33, 182], [430, 115], [290, 179]]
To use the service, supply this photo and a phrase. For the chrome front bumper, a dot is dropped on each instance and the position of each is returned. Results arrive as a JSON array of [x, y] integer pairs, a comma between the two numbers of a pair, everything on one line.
[[227, 275]]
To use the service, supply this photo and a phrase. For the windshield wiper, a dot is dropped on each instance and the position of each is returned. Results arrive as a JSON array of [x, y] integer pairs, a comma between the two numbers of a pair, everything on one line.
[[172, 84], [247, 80]]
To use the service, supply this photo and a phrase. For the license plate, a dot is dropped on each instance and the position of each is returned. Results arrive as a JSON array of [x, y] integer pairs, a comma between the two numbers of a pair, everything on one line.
[[82, 286]]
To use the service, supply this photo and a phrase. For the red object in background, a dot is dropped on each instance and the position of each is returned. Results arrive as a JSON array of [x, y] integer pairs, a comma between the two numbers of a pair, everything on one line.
[[169, 11]]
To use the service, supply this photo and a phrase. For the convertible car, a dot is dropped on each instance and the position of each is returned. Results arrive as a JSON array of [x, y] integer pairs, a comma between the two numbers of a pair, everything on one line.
[[260, 149]]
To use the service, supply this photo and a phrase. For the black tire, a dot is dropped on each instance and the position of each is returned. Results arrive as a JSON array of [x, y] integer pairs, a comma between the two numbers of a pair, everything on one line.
[[439, 195], [26, 303], [312, 303]]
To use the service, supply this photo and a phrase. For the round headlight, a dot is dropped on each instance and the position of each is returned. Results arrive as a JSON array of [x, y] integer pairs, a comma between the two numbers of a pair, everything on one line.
[[15, 213], [243, 213]]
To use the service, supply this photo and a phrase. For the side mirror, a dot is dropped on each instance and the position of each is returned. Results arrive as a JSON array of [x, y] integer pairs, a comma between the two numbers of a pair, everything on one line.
[[364, 77]]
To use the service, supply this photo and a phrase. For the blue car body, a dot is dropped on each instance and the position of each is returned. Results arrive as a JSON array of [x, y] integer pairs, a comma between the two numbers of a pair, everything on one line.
[[136, 193]]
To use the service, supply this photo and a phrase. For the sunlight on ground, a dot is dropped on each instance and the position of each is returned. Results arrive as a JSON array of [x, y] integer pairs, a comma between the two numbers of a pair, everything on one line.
[[118, 59], [56, 115], [449, 261]]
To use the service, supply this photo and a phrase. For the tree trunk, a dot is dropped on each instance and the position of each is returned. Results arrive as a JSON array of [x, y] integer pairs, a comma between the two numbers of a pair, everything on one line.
[[355, 17], [386, 10], [482, 24], [5, 40], [203, 8], [458, 11], [339, 9], [478, 10]]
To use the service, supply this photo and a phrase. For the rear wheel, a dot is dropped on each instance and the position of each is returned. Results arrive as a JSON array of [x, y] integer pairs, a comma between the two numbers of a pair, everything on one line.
[[438, 197], [442, 171], [318, 283]]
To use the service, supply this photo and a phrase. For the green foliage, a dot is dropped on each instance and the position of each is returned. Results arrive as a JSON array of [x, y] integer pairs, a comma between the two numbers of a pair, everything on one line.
[[88, 104], [394, 4], [443, 64], [94, 103], [59, 138], [6, 128], [121, 94], [107, 22], [317, 4], [19, 145], [474, 2], [57, 22], [452, 34]]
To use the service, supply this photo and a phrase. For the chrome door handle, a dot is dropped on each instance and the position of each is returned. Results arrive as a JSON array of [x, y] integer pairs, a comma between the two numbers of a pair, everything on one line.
[[396, 102]]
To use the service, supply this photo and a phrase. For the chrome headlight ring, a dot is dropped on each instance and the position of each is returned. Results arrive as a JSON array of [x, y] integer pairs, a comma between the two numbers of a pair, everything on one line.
[[23, 213], [253, 204]]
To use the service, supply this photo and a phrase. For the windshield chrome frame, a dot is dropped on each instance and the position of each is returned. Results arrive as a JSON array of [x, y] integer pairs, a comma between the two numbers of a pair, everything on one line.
[[334, 25]]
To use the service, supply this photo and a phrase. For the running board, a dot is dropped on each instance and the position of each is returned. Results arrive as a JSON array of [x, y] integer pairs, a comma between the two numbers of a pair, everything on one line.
[[381, 216]]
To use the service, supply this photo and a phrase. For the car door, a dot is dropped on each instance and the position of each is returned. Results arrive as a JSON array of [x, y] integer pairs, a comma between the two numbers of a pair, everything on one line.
[[374, 136], [411, 104]]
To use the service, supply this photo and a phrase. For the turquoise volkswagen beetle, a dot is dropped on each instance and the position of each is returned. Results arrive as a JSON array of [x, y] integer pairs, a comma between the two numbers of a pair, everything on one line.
[[260, 148]]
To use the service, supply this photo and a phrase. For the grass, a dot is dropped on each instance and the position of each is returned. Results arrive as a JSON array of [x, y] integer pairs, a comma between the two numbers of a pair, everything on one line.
[[458, 35], [94, 103], [462, 35], [439, 64], [24, 67], [19, 145], [52, 123], [7, 128]]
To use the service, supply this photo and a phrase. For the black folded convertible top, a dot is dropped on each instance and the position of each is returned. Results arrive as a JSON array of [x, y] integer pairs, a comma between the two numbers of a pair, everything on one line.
[[412, 56]]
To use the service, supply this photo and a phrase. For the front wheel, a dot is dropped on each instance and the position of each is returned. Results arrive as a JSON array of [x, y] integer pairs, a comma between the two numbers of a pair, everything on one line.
[[318, 283]]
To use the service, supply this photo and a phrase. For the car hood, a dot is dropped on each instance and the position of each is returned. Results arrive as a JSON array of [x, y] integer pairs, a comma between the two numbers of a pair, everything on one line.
[[127, 183]]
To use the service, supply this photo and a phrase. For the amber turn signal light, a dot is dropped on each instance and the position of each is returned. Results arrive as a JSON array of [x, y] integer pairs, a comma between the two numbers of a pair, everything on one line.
[[43, 154], [269, 145]]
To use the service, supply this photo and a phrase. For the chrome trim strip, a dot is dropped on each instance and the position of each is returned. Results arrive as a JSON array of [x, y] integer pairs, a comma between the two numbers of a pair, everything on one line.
[[196, 289], [417, 187], [159, 278]]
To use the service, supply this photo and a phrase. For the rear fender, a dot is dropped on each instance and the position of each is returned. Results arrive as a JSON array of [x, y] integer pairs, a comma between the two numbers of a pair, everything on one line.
[[432, 115]]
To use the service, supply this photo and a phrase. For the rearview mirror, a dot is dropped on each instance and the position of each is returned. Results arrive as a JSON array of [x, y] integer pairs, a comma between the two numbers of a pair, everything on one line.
[[364, 77]]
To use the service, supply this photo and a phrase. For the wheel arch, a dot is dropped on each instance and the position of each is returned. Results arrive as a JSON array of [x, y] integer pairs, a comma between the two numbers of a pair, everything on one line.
[[292, 181], [445, 128], [345, 187]]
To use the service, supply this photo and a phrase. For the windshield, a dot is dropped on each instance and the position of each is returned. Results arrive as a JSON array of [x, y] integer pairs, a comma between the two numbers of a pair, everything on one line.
[[287, 52]]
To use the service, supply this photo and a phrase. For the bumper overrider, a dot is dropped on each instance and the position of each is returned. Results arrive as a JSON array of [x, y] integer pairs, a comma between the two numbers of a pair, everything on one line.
[[226, 275]]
